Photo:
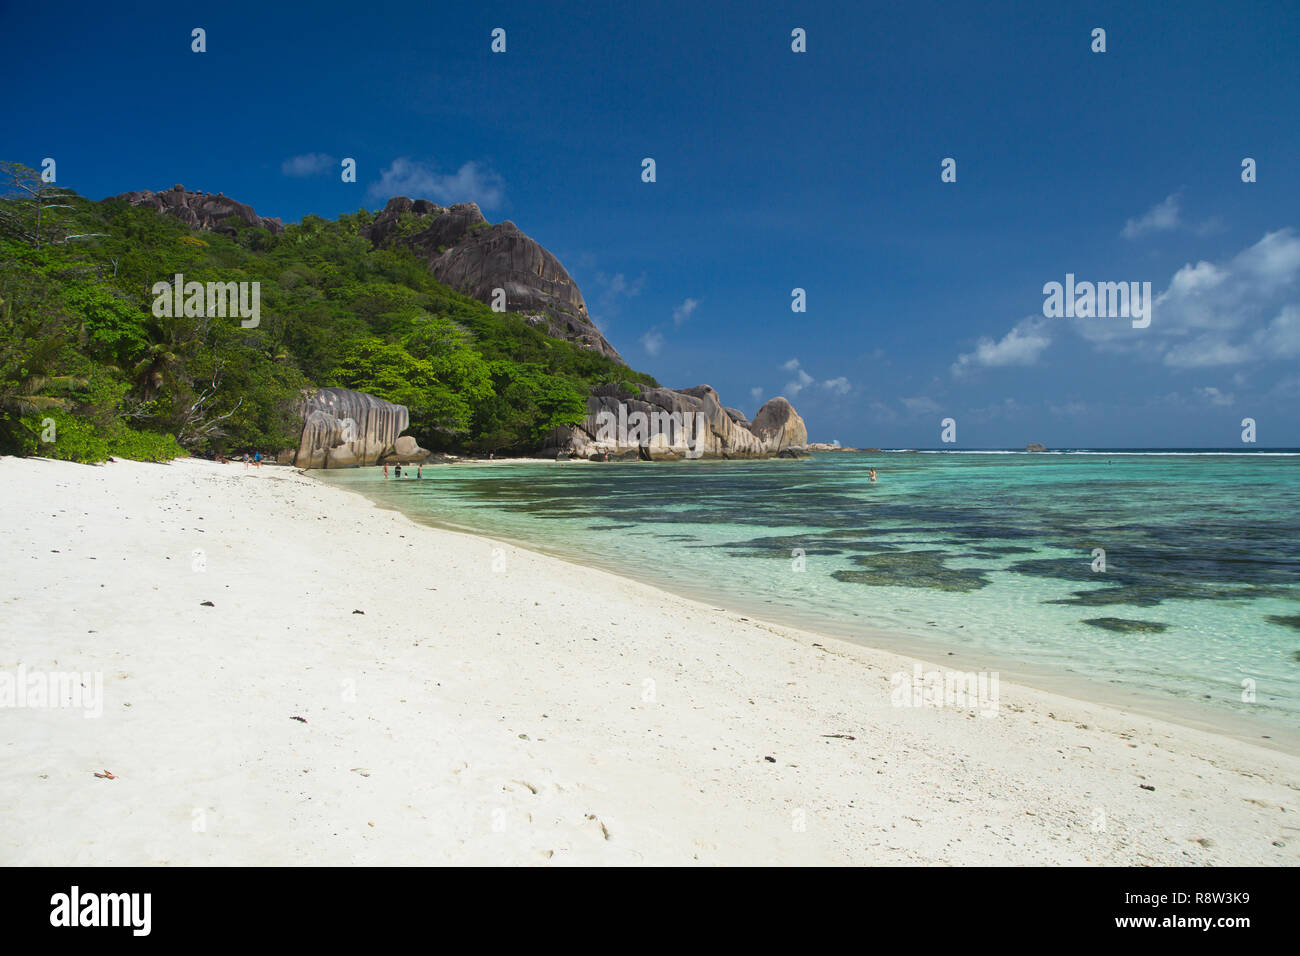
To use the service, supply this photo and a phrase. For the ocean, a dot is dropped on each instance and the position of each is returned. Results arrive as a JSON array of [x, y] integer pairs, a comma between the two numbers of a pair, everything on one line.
[[1164, 580]]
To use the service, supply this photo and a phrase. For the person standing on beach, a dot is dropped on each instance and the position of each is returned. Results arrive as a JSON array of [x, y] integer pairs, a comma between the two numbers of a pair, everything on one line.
[[245, 460], [397, 471], [257, 459]]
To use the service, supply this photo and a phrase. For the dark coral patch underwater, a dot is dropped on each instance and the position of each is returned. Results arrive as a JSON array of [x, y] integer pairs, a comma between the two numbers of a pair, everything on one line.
[[1126, 626], [913, 569]]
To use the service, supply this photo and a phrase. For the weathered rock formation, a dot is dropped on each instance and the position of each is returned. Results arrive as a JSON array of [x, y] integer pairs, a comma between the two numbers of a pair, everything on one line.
[[200, 210], [779, 427], [1035, 446], [344, 429], [465, 252], [823, 446], [476, 258], [737, 416], [664, 423]]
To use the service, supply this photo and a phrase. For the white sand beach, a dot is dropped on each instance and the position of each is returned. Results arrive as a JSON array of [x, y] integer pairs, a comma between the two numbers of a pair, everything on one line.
[[492, 706]]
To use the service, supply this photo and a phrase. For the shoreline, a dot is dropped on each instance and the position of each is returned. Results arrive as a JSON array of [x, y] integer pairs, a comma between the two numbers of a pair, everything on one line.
[[503, 716], [1270, 733]]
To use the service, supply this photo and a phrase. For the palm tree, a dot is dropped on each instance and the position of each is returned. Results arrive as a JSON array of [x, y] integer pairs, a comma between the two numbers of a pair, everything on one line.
[[25, 383], [163, 363], [33, 333]]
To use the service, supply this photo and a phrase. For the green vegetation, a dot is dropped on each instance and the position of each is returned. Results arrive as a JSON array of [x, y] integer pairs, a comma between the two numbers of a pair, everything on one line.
[[88, 372]]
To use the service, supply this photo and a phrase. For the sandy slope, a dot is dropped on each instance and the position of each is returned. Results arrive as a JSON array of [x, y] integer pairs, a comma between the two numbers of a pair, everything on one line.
[[474, 715]]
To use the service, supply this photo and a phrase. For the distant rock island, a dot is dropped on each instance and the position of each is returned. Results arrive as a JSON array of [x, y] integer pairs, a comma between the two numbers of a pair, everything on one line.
[[830, 446], [1034, 446]]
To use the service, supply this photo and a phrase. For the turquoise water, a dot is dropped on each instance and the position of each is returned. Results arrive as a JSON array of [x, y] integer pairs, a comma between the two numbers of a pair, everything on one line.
[[985, 556]]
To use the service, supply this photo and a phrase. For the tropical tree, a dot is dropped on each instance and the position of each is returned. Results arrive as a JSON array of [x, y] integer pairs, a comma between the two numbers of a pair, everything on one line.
[[35, 335], [163, 364], [34, 211]]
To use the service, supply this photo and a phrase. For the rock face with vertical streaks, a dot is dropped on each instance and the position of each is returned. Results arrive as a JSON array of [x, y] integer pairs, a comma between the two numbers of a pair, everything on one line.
[[344, 429], [665, 423], [778, 426], [467, 253]]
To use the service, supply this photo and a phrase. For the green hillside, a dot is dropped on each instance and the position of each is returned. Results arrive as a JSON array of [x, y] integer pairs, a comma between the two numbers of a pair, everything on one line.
[[85, 362]]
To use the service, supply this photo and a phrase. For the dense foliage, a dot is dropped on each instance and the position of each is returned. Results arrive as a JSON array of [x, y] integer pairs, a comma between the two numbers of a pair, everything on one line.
[[88, 371]]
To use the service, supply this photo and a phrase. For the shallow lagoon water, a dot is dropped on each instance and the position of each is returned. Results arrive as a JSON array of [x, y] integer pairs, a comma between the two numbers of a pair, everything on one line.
[[989, 557]]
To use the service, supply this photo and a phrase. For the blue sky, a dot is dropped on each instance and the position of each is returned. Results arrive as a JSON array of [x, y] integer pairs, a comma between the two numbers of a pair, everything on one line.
[[775, 170]]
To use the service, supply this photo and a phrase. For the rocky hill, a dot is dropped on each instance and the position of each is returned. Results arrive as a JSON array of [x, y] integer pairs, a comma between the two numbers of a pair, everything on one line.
[[475, 257], [467, 253], [461, 248]]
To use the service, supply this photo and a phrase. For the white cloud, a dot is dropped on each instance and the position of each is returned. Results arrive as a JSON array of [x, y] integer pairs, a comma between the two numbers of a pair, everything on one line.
[[473, 182], [1243, 310], [652, 341], [684, 311], [801, 380], [1206, 351], [1274, 261], [1161, 217], [1167, 216], [1021, 346], [617, 285], [308, 164], [797, 384], [1214, 396], [1193, 280], [613, 291], [840, 386], [756, 393], [1281, 337]]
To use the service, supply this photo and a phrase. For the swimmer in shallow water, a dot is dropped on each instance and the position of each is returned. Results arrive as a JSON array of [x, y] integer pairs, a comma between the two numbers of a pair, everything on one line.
[[871, 473]]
